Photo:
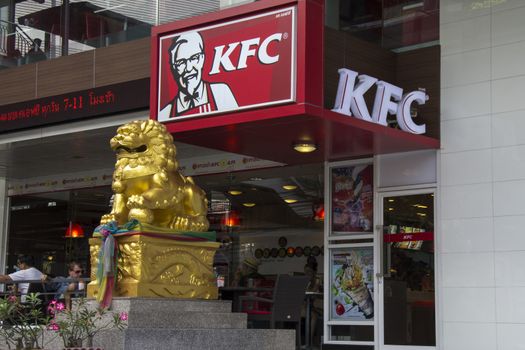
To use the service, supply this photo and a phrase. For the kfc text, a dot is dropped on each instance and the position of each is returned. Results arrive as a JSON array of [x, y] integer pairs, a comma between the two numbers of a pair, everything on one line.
[[249, 48], [389, 99]]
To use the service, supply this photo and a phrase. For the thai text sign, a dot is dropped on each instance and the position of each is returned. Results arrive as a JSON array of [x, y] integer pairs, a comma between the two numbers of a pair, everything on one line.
[[73, 106], [230, 66]]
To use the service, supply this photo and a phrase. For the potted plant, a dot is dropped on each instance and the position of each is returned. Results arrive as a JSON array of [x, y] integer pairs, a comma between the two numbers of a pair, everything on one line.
[[23, 323], [78, 326]]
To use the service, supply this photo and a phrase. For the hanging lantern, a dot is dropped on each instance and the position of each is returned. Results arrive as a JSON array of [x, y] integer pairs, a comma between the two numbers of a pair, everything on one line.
[[318, 211], [231, 219], [74, 230]]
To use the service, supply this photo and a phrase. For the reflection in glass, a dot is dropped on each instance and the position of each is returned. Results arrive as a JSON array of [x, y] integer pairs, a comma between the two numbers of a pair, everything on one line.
[[409, 298]]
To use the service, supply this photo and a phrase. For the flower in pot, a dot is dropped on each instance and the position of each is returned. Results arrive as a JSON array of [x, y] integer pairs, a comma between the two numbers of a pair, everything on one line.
[[23, 324], [80, 324]]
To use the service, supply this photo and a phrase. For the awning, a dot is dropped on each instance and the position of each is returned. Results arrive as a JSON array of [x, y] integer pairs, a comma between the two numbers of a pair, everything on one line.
[[270, 134]]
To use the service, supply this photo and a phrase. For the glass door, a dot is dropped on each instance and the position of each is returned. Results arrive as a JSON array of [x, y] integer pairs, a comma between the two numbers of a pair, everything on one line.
[[407, 270]]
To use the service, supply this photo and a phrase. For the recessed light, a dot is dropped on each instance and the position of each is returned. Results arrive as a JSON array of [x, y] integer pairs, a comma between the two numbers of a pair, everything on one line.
[[304, 147], [234, 192], [290, 200], [249, 205], [421, 214], [289, 187], [390, 200], [390, 209]]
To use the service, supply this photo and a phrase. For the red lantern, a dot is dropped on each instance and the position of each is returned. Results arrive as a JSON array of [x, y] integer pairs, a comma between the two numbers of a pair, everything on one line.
[[74, 230], [231, 219], [318, 210]]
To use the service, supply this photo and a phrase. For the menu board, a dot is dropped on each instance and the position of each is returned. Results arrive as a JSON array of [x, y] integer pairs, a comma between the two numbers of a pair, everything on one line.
[[352, 284], [352, 198]]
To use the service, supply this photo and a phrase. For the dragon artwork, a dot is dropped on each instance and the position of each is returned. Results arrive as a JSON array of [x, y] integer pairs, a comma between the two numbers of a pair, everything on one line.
[[147, 185]]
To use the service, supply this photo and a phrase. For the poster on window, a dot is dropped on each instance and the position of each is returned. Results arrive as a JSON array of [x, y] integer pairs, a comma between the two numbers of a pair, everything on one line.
[[352, 198], [352, 284]]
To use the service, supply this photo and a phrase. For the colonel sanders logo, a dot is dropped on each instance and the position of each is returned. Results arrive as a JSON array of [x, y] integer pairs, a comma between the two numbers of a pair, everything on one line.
[[194, 95]]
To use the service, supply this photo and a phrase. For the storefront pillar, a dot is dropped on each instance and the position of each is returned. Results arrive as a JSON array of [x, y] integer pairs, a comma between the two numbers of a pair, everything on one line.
[[3, 222]]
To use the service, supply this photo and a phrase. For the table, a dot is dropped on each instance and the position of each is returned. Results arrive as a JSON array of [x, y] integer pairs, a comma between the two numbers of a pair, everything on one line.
[[237, 291], [309, 297]]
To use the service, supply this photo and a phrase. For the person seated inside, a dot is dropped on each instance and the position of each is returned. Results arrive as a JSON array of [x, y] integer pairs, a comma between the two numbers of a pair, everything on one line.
[[310, 270], [316, 302], [26, 272], [35, 53], [248, 273], [67, 287], [248, 276]]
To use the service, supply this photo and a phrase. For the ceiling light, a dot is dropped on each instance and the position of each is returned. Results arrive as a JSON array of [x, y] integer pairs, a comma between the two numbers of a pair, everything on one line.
[[248, 205], [290, 200], [234, 192], [390, 200], [390, 209], [421, 206], [421, 214], [304, 147], [289, 187], [255, 178]]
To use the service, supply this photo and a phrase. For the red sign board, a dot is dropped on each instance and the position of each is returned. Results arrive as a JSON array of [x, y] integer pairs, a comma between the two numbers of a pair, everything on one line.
[[235, 65], [408, 237]]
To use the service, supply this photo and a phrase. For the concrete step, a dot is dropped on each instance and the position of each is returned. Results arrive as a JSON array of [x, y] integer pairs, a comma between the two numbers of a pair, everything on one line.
[[209, 339], [187, 320], [166, 306], [175, 313]]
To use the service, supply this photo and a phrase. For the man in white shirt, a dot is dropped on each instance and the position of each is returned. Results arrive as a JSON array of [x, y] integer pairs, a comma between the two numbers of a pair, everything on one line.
[[26, 273]]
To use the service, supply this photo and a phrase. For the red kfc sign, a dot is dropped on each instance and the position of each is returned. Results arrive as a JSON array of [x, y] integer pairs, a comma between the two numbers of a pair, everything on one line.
[[231, 66]]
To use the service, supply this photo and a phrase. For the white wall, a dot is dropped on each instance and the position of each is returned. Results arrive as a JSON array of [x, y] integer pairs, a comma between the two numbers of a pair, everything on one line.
[[483, 174]]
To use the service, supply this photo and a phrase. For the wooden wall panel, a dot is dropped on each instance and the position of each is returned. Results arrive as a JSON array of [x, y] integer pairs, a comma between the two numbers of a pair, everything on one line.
[[65, 74], [18, 84], [333, 60], [421, 69], [123, 62], [105, 66], [344, 51]]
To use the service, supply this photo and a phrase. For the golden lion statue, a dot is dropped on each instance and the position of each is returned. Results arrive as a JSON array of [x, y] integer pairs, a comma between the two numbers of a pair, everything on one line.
[[147, 184]]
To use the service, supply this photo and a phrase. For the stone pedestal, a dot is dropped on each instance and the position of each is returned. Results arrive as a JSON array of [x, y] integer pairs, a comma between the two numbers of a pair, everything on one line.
[[160, 265]]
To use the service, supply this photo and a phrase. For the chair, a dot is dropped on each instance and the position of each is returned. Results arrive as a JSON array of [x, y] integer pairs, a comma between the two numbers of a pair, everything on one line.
[[286, 303], [36, 287]]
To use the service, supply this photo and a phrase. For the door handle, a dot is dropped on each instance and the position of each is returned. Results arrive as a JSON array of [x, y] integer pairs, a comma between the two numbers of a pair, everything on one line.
[[380, 273], [384, 254]]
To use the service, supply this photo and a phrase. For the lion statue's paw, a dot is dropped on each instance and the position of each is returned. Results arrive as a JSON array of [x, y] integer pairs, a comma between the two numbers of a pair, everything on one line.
[[106, 218], [181, 223], [136, 201]]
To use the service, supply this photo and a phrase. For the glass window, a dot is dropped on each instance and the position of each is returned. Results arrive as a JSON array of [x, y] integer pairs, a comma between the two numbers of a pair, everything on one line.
[[54, 227], [394, 24], [32, 31], [271, 217]]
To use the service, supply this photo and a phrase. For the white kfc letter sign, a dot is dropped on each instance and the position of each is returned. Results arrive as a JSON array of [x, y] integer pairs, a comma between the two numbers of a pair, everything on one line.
[[389, 99]]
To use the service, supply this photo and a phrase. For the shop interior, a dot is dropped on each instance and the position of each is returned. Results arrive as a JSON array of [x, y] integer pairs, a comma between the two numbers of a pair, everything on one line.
[[252, 212]]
